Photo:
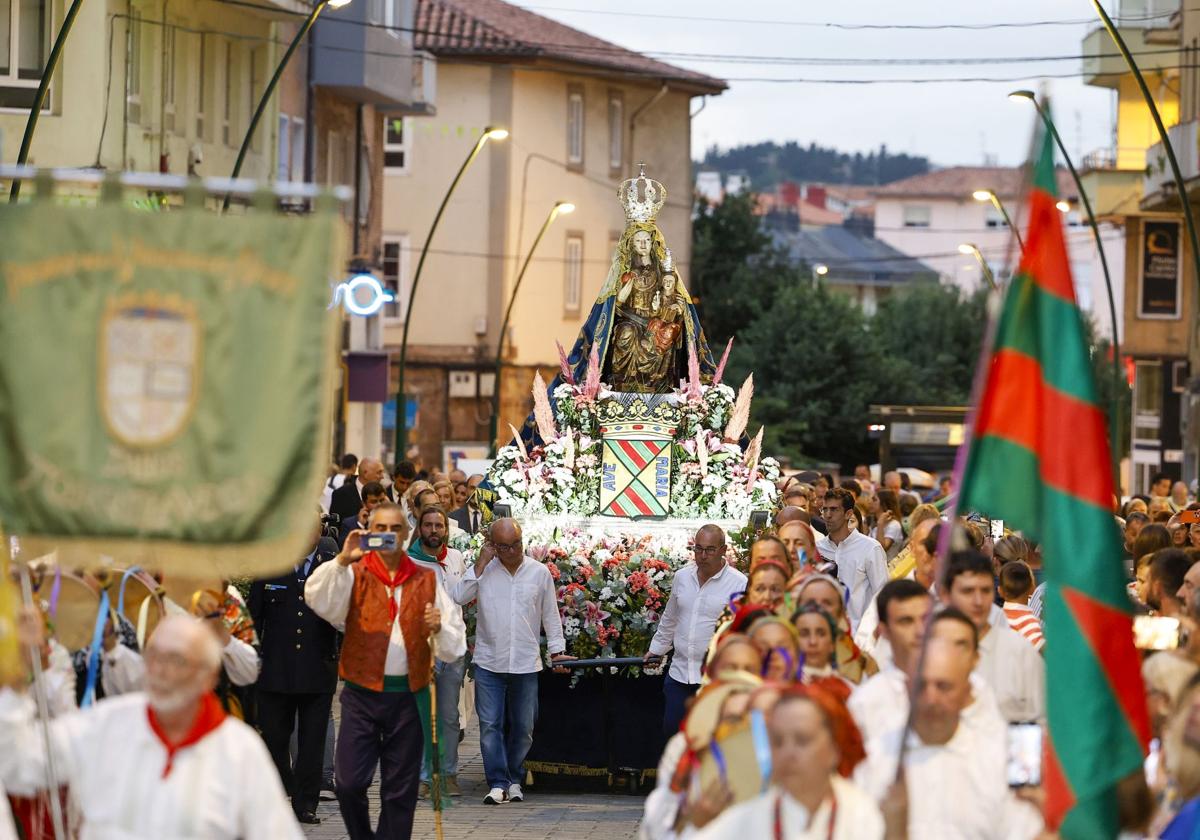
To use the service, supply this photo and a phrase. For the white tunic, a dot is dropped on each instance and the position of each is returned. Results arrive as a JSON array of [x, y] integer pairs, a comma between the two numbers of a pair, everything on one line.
[[1016, 672], [861, 567], [223, 786], [880, 705], [690, 618], [327, 593], [857, 818]]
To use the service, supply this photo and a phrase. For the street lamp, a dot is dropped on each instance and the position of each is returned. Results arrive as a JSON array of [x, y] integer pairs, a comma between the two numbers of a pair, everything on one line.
[[489, 133], [971, 249], [990, 195], [35, 111], [1044, 113], [560, 209], [818, 270], [262, 103]]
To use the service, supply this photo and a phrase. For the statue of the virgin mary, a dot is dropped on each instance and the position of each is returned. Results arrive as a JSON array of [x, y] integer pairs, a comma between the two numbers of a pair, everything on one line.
[[643, 320]]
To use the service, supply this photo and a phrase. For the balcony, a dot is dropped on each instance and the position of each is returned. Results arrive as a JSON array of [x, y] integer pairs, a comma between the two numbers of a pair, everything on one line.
[[1158, 184], [1148, 43], [373, 65]]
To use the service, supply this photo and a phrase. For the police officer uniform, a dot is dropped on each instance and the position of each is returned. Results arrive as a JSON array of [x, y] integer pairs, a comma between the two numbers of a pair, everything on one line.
[[298, 677]]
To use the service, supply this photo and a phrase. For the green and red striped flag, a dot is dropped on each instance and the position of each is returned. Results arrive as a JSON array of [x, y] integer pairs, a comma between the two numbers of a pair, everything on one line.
[[1039, 460]]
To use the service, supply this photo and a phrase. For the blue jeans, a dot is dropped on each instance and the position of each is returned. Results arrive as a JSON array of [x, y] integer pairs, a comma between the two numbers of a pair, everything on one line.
[[507, 707], [675, 697], [448, 680]]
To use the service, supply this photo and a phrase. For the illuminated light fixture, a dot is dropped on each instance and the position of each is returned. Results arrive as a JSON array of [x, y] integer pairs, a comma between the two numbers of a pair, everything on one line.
[[1064, 206], [982, 195], [967, 248], [496, 133], [346, 293], [821, 269]]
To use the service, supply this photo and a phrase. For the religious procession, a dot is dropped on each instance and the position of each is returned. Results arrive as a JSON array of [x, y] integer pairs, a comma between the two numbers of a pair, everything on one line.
[[860, 502]]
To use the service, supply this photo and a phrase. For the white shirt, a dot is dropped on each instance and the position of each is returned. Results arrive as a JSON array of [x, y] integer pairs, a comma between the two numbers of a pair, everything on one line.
[[332, 483], [862, 568], [880, 705], [327, 593], [450, 577], [514, 610], [1016, 672], [223, 786], [662, 805], [690, 618], [956, 791], [857, 817]]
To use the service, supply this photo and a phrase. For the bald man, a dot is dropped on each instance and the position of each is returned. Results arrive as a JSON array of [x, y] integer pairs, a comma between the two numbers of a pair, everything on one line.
[[348, 499], [956, 775], [166, 762]]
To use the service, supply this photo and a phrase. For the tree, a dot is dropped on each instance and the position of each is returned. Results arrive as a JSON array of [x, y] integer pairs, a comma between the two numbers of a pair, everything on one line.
[[769, 163]]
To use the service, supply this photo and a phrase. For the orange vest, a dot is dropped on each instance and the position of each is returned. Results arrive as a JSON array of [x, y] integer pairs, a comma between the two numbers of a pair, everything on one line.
[[369, 631]]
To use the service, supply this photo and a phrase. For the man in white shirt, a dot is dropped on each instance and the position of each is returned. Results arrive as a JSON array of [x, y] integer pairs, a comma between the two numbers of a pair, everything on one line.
[[164, 763], [1010, 665], [955, 774], [861, 561], [700, 592], [389, 608], [429, 550], [868, 635], [517, 602]]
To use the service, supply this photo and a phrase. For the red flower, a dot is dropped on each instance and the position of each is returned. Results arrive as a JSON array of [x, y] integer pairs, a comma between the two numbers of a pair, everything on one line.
[[554, 572]]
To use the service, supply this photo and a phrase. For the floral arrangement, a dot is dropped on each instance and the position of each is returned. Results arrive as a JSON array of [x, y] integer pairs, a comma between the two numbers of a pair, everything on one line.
[[714, 477]]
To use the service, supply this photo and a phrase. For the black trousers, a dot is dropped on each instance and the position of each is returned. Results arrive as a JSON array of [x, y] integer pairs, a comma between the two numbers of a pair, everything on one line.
[[308, 714], [385, 729]]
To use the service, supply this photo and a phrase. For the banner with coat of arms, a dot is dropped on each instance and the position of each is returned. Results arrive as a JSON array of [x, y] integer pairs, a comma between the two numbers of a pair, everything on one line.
[[166, 381], [638, 435]]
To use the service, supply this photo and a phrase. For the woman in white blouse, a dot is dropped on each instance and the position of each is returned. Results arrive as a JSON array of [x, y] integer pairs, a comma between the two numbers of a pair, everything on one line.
[[814, 746]]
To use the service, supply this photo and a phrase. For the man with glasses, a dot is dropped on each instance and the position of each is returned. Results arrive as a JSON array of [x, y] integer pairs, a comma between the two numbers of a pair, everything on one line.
[[861, 561], [517, 602], [699, 593]]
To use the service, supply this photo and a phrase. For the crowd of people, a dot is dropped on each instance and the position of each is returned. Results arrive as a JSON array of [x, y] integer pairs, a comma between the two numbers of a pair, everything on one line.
[[833, 679]]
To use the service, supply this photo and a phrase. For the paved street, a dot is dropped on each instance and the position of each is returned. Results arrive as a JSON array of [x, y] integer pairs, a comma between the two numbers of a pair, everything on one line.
[[540, 817]]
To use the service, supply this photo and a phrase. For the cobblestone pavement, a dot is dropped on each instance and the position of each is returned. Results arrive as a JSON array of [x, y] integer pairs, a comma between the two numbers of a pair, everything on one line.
[[540, 817]]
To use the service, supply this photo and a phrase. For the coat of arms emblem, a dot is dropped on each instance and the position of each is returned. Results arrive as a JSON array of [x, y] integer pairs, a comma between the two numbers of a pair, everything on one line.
[[149, 367]]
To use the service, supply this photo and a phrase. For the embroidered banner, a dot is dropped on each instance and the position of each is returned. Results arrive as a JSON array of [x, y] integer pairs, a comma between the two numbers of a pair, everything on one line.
[[166, 381], [635, 480]]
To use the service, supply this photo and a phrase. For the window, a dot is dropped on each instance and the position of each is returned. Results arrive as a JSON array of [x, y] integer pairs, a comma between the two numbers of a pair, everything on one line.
[[916, 215], [299, 149], [1147, 400], [993, 218], [616, 132], [201, 75], [169, 79], [397, 136], [24, 44], [252, 94], [227, 111], [575, 126], [573, 276], [395, 263], [133, 71], [283, 166]]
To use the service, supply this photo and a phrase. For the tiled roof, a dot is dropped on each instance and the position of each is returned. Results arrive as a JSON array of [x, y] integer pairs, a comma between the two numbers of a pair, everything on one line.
[[961, 181], [810, 214], [853, 258], [498, 30]]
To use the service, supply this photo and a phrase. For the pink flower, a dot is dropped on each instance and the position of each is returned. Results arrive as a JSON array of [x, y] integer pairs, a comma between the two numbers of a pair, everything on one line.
[[585, 571], [554, 572], [638, 581]]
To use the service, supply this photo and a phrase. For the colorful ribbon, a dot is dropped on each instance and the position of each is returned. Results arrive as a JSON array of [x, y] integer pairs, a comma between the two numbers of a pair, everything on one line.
[[762, 745], [93, 662]]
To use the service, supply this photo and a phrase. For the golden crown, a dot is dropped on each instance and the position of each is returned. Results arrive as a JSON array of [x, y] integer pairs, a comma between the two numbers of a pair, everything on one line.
[[642, 197]]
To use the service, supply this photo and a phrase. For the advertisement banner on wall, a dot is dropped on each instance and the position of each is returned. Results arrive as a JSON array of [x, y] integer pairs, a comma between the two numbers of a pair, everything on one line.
[[1159, 291]]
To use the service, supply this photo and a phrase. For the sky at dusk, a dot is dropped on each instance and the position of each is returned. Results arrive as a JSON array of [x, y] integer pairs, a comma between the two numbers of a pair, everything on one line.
[[954, 122]]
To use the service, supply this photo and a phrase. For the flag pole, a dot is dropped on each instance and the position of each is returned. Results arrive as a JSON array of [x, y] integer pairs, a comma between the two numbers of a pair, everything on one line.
[[945, 536]]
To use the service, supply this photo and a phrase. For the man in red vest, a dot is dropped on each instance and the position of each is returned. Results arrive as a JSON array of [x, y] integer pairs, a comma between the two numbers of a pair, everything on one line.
[[389, 608]]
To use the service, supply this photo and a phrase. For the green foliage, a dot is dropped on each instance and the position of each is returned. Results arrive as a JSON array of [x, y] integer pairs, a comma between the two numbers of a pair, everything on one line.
[[769, 163]]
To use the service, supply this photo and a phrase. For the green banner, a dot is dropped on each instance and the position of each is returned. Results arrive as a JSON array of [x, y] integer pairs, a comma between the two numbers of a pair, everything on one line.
[[166, 384]]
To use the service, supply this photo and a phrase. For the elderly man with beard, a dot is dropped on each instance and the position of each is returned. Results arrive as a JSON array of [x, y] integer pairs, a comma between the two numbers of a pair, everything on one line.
[[158, 764], [430, 551]]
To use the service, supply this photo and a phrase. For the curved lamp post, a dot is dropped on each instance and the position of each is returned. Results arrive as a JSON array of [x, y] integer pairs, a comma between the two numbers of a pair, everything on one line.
[[560, 209], [39, 99], [971, 249], [1044, 113], [489, 133], [262, 103], [990, 195]]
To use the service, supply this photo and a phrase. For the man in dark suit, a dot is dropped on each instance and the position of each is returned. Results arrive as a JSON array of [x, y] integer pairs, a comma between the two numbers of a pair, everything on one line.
[[298, 677], [347, 499], [373, 496]]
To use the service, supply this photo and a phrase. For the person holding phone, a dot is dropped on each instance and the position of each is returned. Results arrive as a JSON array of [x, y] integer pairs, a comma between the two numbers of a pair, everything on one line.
[[517, 602], [390, 610]]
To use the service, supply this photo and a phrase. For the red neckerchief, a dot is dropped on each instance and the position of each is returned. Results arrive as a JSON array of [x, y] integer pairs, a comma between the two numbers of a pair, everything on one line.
[[441, 557], [373, 563], [208, 718]]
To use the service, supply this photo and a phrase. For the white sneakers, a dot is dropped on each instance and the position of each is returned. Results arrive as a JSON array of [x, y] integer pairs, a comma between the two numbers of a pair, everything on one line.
[[498, 796]]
